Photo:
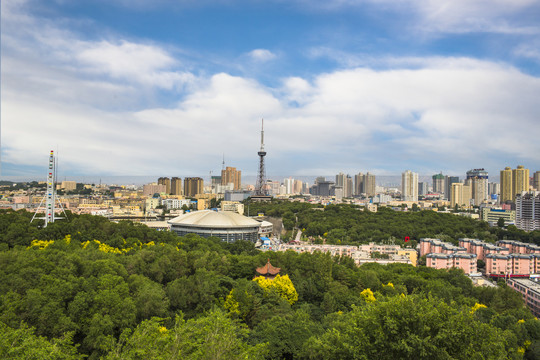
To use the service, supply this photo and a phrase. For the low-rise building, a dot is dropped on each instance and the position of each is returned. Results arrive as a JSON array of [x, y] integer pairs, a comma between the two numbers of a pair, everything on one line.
[[465, 261], [529, 290], [492, 216]]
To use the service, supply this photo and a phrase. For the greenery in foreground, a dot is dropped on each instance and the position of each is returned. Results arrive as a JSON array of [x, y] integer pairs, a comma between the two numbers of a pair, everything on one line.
[[89, 288]]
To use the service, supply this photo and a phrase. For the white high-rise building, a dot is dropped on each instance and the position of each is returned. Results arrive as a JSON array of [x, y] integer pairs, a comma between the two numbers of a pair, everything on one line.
[[289, 185], [409, 186]]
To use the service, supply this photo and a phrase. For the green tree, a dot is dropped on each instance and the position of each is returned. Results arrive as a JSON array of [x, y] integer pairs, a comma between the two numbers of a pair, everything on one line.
[[408, 327], [22, 343], [212, 336]]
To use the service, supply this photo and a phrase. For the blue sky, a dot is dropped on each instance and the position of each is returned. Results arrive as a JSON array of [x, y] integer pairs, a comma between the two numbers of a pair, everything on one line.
[[165, 88]]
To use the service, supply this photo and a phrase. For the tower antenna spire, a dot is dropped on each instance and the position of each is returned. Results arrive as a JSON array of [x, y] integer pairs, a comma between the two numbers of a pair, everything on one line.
[[262, 135]]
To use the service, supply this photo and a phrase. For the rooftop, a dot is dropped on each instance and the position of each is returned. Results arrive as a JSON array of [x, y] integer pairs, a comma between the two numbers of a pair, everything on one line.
[[211, 219]]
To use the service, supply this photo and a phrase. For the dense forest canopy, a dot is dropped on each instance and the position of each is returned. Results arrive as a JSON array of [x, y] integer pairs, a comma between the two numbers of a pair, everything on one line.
[[351, 224], [87, 287]]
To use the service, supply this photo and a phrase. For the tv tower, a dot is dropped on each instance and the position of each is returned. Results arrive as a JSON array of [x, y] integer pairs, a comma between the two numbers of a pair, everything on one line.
[[50, 195], [260, 188]]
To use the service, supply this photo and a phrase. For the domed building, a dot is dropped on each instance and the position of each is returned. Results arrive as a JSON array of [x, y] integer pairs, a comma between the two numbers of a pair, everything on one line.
[[226, 225]]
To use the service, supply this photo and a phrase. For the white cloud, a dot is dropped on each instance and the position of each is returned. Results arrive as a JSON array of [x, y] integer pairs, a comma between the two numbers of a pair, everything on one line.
[[262, 55], [528, 50], [94, 100], [130, 61]]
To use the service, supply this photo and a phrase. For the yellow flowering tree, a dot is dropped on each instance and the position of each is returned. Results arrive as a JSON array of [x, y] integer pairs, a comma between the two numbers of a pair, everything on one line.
[[281, 284], [40, 244], [368, 296], [476, 307]]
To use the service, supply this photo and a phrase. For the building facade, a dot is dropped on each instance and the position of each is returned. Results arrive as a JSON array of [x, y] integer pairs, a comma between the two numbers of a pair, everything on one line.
[[230, 175], [228, 226], [506, 185], [193, 186], [167, 182], [176, 186], [492, 216], [477, 179], [409, 186], [460, 195], [528, 211], [449, 180], [438, 183], [520, 181]]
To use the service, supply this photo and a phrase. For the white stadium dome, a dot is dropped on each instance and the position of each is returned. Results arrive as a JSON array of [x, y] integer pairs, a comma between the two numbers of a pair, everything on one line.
[[226, 225]]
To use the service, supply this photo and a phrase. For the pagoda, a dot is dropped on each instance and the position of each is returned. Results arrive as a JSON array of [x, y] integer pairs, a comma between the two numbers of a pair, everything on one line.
[[268, 271]]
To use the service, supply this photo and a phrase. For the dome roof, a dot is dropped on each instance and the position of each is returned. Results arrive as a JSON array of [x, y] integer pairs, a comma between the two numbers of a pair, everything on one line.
[[214, 219]]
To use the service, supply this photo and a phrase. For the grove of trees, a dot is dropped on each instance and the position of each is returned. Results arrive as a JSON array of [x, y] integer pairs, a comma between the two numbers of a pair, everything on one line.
[[350, 224], [90, 288]]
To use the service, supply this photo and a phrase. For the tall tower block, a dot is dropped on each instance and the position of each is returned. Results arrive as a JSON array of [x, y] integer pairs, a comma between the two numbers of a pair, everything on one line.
[[260, 187]]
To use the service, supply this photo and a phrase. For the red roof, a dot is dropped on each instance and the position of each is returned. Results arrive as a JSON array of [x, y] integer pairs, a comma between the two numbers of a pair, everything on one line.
[[268, 269]]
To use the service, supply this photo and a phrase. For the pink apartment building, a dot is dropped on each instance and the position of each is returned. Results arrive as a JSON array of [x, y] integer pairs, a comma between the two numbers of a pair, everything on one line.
[[519, 247], [436, 246], [464, 261], [530, 291], [513, 264]]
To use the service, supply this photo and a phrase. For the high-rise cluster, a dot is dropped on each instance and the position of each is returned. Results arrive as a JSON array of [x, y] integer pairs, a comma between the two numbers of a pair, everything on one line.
[[513, 182]]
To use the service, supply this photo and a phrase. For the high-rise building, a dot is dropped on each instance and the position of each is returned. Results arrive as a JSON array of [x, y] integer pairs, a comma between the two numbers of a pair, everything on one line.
[[349, 187], [449, 180], [477, 179], [365, 184], [409, 186], [358, 184], [536, 180], [340, 179], [460, 195], [322, 187], [176, 186], [494, 188], [528, 211], [438, 183], [193, 186], [230, 175], [289, 186], [422, 188], [520, 181], [298, 187], [273, 187], [506, 185], [513, 182], [369, 184], [167, 182]]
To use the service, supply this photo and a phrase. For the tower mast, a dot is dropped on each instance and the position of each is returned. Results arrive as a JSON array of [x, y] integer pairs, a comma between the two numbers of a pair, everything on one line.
[[51, 191], [260, 188], [50, 195]]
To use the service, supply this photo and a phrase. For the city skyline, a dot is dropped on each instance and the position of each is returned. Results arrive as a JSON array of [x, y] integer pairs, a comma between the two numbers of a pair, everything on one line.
[[165, 88]]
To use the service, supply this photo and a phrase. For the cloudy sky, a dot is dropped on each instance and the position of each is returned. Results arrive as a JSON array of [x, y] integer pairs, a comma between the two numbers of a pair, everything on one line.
[[169, 87]]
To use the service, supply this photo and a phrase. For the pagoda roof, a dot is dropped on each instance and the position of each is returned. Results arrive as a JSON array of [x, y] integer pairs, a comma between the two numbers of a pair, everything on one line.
[[268, 269]]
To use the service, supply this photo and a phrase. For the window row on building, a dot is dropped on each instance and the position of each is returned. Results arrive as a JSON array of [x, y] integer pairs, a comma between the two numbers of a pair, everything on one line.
[[464, 261]]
